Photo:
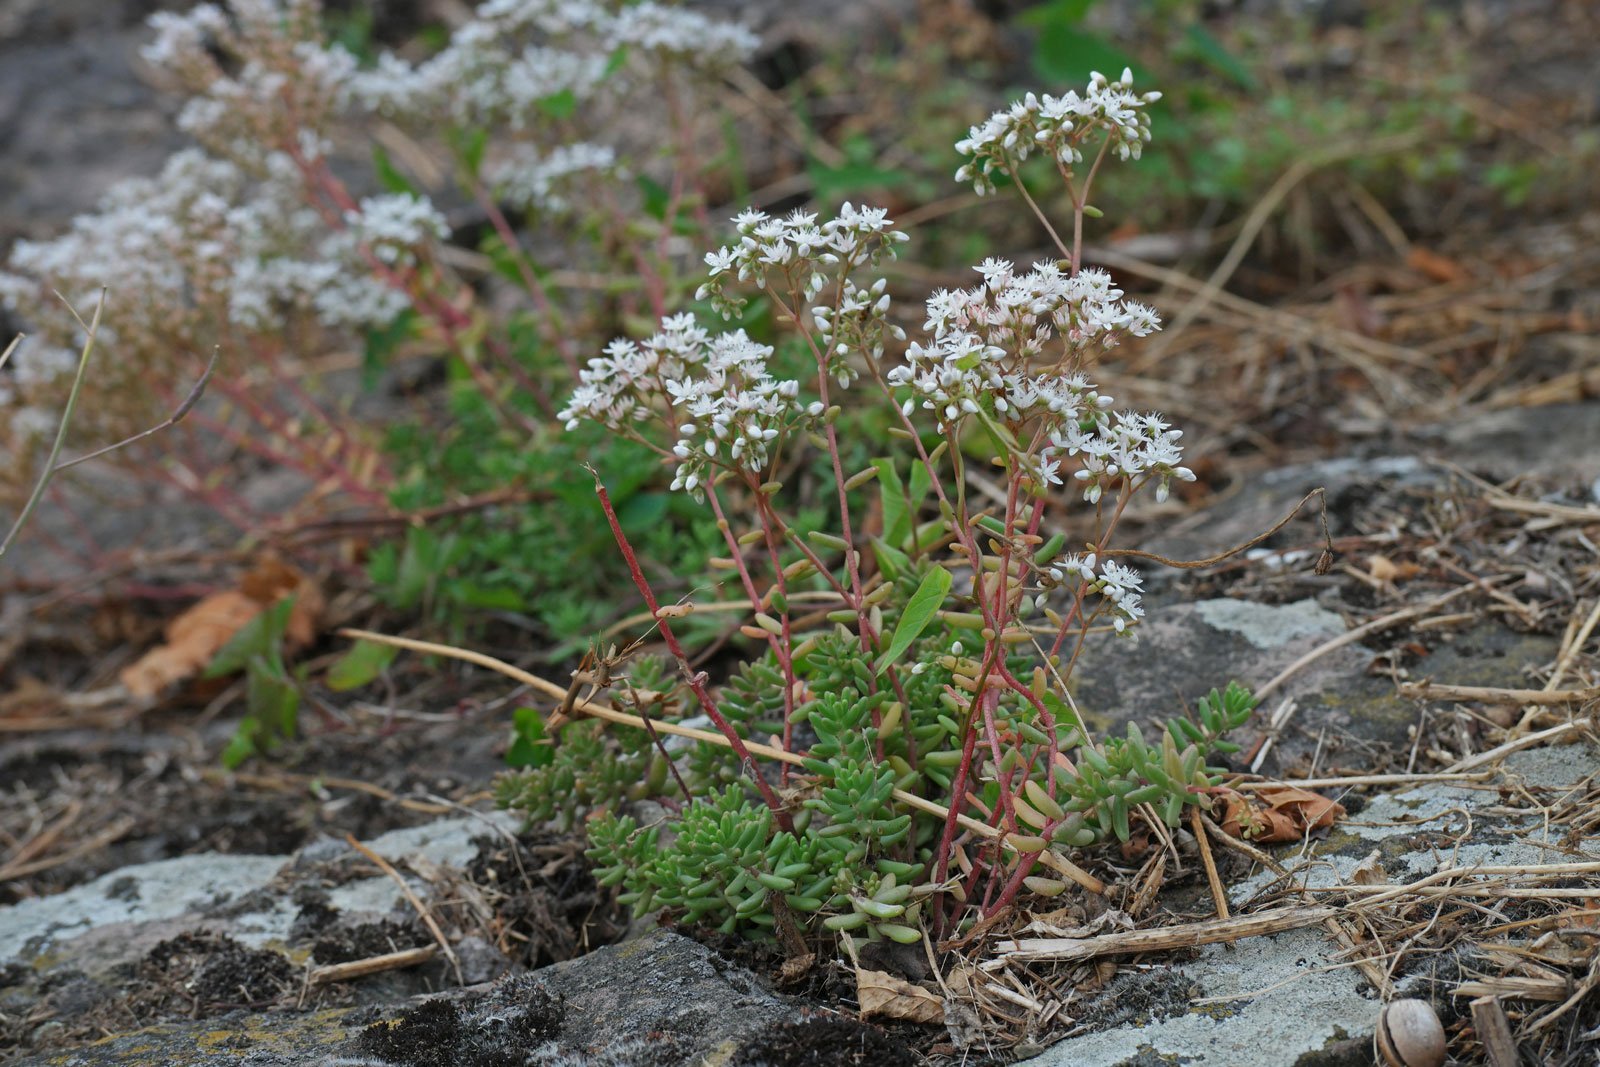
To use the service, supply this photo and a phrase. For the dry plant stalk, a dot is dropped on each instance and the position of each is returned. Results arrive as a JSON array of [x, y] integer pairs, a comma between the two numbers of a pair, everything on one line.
[[1182, 935]]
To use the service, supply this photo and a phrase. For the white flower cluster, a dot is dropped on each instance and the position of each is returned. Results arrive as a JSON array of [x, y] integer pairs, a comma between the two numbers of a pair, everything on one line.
[[393, 226], [796, 246], [727, 406], [1057, 126], [258, 73], [1124, 445], [986, 342], [859, 324], [985, 338], [514, 56], [1119, 586], [204, 246], [531, 179]]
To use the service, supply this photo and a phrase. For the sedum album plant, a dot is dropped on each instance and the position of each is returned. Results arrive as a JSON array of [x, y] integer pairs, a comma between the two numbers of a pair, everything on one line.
[[931, 760]]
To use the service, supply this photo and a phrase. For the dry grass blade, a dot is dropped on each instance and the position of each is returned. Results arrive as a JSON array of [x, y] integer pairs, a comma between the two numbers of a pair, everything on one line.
[[415, 901], [1183, 935], [1350, 637], [389, 961], [1530, 741], [1427, 690]]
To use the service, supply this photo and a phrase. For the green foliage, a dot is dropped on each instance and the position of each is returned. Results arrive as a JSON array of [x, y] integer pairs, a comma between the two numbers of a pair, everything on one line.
[[360, 666], [529, 748], [920, 610], [1127, 772], [536, 557], [272, 697], [854, 860], [590, 767]]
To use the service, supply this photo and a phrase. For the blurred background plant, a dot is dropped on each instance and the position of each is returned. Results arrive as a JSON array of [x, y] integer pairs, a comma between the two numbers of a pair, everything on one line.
[[277, 242]]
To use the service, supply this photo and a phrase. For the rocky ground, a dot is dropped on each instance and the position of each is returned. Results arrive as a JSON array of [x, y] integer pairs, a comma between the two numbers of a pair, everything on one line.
[[358, 903], [235, 955]]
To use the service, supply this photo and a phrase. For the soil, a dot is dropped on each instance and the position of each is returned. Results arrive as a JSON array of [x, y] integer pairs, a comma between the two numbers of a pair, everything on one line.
[[93, 790], [157, 784], [536, 904]]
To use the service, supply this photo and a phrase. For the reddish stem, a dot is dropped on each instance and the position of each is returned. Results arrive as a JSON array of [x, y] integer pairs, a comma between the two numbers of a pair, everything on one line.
[[695, 679]]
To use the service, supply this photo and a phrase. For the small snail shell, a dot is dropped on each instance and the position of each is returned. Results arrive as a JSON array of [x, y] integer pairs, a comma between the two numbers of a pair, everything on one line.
[[1409, 1034]]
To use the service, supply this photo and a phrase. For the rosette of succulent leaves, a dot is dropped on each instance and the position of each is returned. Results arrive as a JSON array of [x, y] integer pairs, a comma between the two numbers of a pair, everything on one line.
[[295, 222], [934, 693]]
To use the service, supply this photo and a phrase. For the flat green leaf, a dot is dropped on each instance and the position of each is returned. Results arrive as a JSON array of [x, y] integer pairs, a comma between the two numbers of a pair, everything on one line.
[[273, 701], [380, 342], [469, 144], [561, 105], [656, 197], [616, 60], [1071, 12], [858, 173], [360, 665], [261, 637], [242, 745], [891, 561], [892, 492], [528, 746], [1066, 55], [1218, 58], [920, 611], [487, 597], [389, 176]]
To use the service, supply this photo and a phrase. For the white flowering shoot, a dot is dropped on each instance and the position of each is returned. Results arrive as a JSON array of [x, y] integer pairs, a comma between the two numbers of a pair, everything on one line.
[[715, 390], [523, 63], [1060, 127], [999, 347], [794, 253]]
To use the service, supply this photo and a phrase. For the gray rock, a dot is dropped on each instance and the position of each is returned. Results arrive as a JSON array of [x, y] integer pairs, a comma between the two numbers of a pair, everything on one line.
[[662, 1001], [1292, 998], [1559, 443], [225, 892]]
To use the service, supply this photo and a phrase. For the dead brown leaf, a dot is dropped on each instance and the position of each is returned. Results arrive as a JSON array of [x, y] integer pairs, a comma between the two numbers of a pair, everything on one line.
[[889, 997], [272, 579], [192, 639], [195, 636], [1384, 569], [1278, 813], [1435, 266], [1370, 870]]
